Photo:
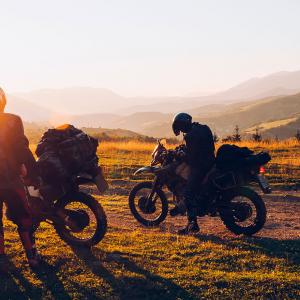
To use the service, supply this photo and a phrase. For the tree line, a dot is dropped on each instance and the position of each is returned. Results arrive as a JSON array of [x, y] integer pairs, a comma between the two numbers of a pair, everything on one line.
[[256, 136]]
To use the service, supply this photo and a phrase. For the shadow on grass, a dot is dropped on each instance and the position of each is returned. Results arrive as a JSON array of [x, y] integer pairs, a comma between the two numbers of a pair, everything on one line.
[[47, 275], [287, 249], [15, 286], [139, 284]]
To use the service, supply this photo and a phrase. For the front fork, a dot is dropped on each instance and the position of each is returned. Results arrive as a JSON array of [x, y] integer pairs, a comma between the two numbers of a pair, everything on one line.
[[155, 186]]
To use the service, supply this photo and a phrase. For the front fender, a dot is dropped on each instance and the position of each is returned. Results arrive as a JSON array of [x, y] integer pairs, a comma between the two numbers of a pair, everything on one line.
[[145, 170]]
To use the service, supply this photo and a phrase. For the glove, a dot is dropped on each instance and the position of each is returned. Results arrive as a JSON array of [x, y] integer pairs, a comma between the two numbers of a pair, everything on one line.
[[35, 182]]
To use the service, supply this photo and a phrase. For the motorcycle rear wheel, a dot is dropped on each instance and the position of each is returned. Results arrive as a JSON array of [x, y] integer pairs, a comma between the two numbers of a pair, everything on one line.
[[96, 212], [142, 217], [231, 221]]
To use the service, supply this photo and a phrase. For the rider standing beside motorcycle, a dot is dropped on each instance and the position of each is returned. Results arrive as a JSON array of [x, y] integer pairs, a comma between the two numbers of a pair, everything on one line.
[[200, 156], [16, 160]]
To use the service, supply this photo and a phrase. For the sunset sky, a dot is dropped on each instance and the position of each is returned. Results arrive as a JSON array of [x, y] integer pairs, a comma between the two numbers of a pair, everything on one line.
[[143, 47]]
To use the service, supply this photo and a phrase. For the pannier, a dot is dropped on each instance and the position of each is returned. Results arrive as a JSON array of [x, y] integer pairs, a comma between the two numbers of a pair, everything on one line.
[[232, 157], [259, 159], [231, 163]]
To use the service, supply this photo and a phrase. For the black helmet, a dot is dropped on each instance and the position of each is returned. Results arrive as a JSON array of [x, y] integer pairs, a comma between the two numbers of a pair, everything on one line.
[[182, 122]]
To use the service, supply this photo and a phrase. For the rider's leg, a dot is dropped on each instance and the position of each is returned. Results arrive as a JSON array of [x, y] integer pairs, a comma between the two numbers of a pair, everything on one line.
[[191, 201], [20, 215]]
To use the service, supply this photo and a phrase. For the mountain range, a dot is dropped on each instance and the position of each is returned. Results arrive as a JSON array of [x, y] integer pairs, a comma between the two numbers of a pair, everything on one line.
[[268, 102]]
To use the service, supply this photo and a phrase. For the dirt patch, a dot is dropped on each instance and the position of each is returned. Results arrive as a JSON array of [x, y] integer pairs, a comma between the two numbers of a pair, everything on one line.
[[283, 220]]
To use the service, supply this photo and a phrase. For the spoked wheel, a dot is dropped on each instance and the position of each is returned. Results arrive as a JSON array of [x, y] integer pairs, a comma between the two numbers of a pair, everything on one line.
[[148, 211], [82, 221], [244, 211]]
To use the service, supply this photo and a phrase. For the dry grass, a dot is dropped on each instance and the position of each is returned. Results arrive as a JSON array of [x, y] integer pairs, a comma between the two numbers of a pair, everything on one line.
[[121, 159], [150, 264], [131, 146]]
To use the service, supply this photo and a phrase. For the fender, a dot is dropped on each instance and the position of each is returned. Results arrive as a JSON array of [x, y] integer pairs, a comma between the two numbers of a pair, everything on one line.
[[145, 170]]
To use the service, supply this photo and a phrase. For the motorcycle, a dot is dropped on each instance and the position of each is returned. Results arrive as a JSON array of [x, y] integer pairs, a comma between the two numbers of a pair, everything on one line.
[[229, 197], [77, 217]]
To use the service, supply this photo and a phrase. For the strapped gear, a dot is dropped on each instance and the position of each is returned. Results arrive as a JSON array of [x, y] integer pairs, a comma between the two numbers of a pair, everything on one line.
[[64, 152]]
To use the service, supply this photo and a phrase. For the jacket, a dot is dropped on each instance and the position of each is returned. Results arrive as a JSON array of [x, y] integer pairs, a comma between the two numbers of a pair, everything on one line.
[[14, 152], [200, 147]]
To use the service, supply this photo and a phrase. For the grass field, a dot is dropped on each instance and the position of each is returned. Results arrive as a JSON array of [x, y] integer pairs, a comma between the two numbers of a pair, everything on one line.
[[137, 263], [121, 159]]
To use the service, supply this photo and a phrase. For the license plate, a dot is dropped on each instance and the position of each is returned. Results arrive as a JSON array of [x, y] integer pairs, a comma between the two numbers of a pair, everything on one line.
[[264, 184]]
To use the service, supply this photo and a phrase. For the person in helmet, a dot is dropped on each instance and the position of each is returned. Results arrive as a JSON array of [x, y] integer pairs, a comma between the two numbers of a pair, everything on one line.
[[200, 155], [16, 160]]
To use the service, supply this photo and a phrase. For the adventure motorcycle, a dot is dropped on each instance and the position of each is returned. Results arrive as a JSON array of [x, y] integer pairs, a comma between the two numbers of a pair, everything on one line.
[[77, 217], [241, 209]]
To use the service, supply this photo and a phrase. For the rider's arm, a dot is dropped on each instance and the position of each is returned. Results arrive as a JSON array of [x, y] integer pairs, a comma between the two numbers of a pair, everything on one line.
[[192, 148], [23, 155]]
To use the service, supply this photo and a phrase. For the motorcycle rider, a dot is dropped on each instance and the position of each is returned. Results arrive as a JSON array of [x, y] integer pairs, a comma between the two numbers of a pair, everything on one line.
[[200, 156], [16, 160]]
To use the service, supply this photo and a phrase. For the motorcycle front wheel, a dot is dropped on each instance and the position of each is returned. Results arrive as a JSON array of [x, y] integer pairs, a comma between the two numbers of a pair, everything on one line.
[[84, 221], [149, 212]]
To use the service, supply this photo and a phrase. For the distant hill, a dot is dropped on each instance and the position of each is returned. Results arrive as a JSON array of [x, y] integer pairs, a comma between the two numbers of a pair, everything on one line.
[[282, 129], [138, 122], [34, 132], [277, 84], [76, 100], [274, 115], [254, 113], [221, 111], [246, 115], [112, 133], [87, 100], [221, 118], [28, 110]]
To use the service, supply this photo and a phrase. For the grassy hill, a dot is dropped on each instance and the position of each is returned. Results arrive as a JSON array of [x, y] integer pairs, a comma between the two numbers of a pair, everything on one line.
[[221, 111], [223, 118], [34, 132], [282, 129], [276, 116], [256, 113]]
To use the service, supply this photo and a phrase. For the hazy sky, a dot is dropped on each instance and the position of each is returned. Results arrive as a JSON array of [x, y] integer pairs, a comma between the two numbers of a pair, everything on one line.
[[163, 47]]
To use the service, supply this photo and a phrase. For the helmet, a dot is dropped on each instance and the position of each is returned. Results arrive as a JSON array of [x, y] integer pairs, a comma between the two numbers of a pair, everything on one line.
[[2, 99], [182, 122]]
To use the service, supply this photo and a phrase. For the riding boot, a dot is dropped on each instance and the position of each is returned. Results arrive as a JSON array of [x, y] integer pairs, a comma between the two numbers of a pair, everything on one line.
[[33, 257], [191, 228], [192, 225], [175, 211]]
